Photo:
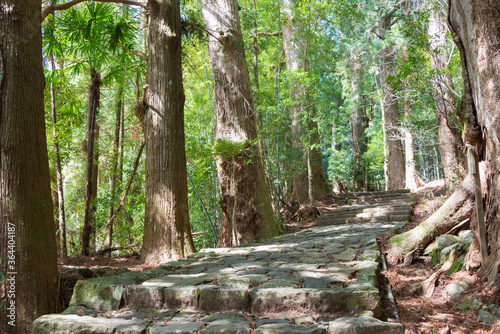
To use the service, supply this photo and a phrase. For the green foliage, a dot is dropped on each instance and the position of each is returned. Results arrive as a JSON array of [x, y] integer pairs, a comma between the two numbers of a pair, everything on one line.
[[457, 265], [342, 47]]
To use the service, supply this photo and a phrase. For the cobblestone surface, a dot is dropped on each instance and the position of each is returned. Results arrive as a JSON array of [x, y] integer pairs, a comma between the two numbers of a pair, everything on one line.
[[311, 281]]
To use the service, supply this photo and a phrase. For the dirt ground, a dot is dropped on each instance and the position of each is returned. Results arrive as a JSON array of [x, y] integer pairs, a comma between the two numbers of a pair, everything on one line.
[[435, 315]]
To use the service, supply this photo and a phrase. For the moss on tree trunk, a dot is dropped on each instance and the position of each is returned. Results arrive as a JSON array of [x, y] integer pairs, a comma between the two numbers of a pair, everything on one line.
[[457, 208]]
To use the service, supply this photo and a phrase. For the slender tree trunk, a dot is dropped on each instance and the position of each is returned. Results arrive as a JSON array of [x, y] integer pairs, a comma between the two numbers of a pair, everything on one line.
[[167, 232], [27, 231], [60, 184], [295, 56], [358, 124], [295, 48], [336, 185], [318, 184], [91, 188], [246, 205], [451, 146], [411, 171], [476, 29], [114, 169]]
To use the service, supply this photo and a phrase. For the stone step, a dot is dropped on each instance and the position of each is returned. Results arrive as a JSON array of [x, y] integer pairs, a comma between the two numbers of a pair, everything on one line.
[[176, 321], [368, 218], [306, 282], [373, 208], [376, 200], [318, 272], [369, 213], [381, 193]]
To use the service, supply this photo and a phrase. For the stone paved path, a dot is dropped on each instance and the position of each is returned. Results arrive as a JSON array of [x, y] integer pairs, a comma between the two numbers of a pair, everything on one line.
[[319, 280]]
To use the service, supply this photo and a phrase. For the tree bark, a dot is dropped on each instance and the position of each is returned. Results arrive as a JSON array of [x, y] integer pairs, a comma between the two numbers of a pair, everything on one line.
[[359, 124], [451, 146], [60, 181], [167, 232], [27, 229], [394, 163], [295, 48], [411, 171], [476, 26], [456, 209], [114, 169], [246, 205], [91, 187]]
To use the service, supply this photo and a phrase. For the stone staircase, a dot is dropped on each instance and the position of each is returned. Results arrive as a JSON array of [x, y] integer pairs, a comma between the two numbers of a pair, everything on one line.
[[319, 280]]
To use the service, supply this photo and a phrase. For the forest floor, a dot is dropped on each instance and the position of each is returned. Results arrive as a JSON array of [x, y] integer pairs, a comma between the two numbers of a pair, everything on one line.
[[437, 314], [418, 314]]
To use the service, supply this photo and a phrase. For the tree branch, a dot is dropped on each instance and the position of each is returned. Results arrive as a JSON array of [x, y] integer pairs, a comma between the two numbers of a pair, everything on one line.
[[130, 180], [139, 54], [52, 8], [276, 33]]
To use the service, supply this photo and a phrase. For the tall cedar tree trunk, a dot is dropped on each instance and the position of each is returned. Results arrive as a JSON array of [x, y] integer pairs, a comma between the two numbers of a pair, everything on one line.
[[114, 169], [359, 124], [394, 163], [59, 184], [451, 145], [310, 184], [476, 26], [411, 170], [27, 230], [246, 205], [91, 187], [167, 232]]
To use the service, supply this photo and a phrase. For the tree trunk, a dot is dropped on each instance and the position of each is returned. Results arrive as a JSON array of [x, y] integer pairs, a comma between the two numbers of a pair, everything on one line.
[[114, 169], [358, 124], [318, 184], [394, 163], [91, 187], [246, 205], [59, 184], [255, 48], [451, 146], [27, 229], [295, 48], [456, 209], [411, 171], [476, 26], [167, 232]]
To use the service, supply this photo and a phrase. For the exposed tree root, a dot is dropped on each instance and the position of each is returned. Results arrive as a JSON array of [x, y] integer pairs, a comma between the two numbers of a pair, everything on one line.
[[429, 284]]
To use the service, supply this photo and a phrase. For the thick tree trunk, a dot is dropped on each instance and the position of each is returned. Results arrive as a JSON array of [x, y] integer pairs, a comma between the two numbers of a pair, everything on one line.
[[114, 169], [394, 163], [27, 230], [476, 27], [456, 209], [167, 232], [451, 146], [59, 184], [295, 48], [91, 187], [246, 204]]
